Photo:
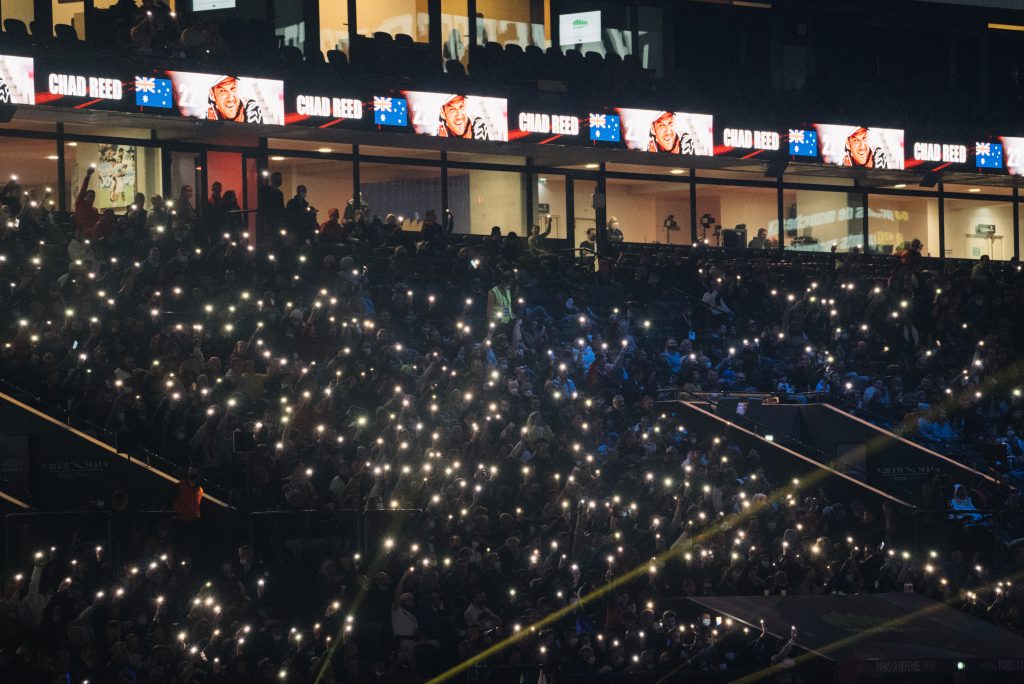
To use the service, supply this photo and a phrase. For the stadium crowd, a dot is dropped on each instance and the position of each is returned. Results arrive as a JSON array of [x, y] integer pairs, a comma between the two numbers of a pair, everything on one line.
[[506, 388]]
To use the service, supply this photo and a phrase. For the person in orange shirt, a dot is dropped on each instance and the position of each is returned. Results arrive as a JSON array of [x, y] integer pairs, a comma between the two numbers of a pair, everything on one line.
[[189, 498]]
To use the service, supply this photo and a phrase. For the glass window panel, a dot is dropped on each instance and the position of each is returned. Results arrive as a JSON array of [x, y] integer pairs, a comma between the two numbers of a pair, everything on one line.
[[585, 224], [740, 211], [393, 17], [817, 220], [23, 10], [122, 170], [333, 26], [408, 191], [455, 31], [642, 209], [894, 221], [34, 163], [549, 195], [651, 47], [328, 182], [480, 200], [519, 22], [186, 182], [290, 23], [977, 227], [71, 13]]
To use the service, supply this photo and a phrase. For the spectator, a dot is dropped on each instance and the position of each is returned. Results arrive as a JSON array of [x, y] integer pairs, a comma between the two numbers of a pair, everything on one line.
[[760, 241], [86, 215], [189, 497]]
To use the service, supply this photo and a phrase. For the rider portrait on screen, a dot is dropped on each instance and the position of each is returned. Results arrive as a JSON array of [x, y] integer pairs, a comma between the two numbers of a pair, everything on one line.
[[860, 153], [224, 103], [455, 122], [665, 138]]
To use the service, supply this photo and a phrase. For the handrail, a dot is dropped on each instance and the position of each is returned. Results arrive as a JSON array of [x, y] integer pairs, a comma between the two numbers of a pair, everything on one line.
[[14, 501], [904, 440], [103, 445], [825, 458], [798, 455]]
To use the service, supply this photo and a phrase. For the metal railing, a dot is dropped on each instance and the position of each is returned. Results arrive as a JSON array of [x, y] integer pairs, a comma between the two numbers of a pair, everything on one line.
[[111, 439]]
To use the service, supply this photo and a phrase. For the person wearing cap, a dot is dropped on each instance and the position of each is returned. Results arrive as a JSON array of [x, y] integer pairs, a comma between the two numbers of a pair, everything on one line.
[[454, 122], [224, 104], [665, 138], [860, 153]]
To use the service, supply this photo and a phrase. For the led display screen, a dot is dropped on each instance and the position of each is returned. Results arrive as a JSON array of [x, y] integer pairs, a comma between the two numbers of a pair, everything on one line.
[[928, 155], [206, 5], [226, 97], [17, 80], [746, 143], [579, 28], [543, 127], [988, 155], [667, 132], [605, 128], [803, 142], [324, 111], [1013, 155], [454, 115], [66, 87], [860, 146]]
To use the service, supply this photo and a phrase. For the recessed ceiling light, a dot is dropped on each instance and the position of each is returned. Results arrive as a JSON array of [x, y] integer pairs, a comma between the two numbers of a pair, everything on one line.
[[677, 172], [900, 186], [325, 150], [974, 190], [593, 166], [277, 159], [72, 144], [52, 157]]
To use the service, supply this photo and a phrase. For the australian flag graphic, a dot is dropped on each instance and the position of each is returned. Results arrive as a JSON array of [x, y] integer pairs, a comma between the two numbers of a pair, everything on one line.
[[390, 111], [605, 127], [153, 92], [988, 155], [803, 143]]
